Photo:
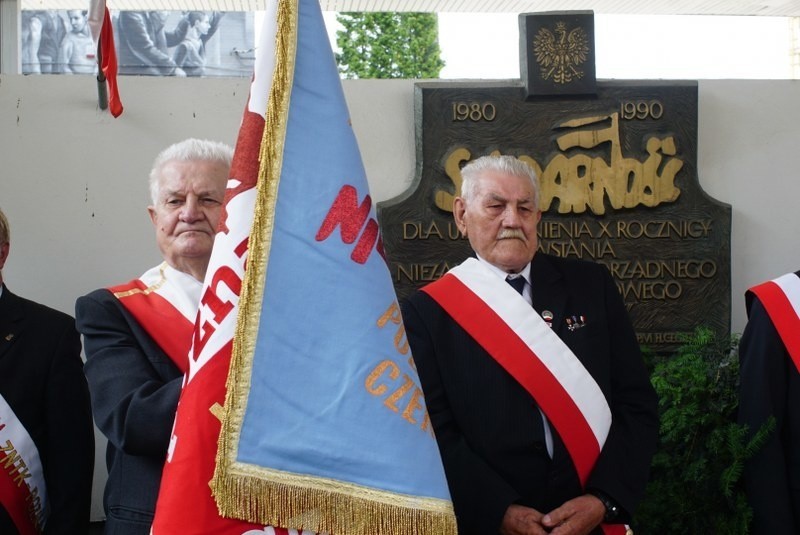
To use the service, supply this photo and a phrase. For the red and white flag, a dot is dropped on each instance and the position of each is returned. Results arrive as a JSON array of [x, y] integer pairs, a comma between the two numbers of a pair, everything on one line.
[[185, 502], [103, 33]]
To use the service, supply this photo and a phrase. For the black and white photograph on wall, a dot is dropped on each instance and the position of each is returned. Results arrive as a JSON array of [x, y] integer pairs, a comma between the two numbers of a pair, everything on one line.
[[149, 43]]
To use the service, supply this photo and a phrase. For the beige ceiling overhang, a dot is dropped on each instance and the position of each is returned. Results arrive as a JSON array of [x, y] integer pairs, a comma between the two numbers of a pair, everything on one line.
[[771, 8]]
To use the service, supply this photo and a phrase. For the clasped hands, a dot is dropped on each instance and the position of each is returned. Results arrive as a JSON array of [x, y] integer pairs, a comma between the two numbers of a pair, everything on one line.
[[578, 516]]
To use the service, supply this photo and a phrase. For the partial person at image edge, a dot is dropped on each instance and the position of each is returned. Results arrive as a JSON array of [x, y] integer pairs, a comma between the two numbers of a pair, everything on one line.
[[769, 356], [46, 430]]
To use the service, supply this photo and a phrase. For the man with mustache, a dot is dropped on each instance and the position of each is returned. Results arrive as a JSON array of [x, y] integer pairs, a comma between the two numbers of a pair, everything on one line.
[[137, 335], [544, 414]]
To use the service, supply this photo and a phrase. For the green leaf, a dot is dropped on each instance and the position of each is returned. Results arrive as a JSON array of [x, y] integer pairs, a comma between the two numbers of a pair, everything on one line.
[[695, 484], [388, 45]]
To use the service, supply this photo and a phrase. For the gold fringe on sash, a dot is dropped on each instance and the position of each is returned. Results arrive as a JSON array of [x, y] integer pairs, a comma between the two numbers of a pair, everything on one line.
[[266, 496]]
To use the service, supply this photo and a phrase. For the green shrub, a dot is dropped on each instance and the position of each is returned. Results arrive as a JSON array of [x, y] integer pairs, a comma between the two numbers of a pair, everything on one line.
[[695, 481]]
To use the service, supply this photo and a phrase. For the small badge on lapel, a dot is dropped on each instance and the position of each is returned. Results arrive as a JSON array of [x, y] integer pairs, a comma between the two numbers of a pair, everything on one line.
[[9, 337], [576, 322], [547, 316]]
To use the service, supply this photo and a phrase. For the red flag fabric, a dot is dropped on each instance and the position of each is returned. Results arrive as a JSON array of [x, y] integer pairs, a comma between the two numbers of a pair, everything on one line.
[[108, 64], [103, 36]]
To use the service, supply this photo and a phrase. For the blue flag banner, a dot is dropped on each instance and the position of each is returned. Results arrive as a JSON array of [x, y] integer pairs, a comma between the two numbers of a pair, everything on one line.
[[324, 425]]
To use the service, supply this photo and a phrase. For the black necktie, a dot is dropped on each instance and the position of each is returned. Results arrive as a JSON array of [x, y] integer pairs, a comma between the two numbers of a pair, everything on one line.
[[518, 283]]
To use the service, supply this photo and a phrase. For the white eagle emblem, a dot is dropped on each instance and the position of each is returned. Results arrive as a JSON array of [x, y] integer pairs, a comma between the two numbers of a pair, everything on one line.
[[559, 56]]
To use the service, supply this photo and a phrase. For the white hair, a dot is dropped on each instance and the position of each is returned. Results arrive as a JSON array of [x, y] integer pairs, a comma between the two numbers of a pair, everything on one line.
[[5, 230], [186, 151], [474, 170]]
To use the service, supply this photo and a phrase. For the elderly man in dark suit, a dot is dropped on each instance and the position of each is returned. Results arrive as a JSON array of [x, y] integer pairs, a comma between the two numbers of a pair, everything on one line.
[[137, 335], [544, 414], [46, 431]]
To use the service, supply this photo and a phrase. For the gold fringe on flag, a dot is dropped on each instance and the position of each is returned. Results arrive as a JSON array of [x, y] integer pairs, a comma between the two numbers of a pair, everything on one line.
[[266, 496], [348, 510]]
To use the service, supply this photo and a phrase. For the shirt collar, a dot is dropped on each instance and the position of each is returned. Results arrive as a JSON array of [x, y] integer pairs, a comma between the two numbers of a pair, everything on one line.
[[526, 271]]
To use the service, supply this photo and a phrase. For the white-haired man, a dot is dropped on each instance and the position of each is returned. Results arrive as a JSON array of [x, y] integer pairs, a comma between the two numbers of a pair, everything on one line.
[[137, 335], [544, 414]]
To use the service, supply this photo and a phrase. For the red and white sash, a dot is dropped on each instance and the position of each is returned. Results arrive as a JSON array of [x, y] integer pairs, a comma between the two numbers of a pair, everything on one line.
[[164, 301], [510, 330], [22, 487], [781, 299]]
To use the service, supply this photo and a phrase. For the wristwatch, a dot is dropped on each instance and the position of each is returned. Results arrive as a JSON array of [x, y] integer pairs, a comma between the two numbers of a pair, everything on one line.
[[612, 509]]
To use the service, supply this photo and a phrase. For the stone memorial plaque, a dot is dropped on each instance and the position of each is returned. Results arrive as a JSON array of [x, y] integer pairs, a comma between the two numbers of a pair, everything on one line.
[[619, 184]]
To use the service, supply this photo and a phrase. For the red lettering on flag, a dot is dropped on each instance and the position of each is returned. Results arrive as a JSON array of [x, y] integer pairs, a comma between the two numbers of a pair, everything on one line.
[[218, 307], [241, 249], [346, 213], [350, 217]]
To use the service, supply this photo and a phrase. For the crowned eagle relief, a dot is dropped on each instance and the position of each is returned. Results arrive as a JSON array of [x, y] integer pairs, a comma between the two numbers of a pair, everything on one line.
[[560, 56]]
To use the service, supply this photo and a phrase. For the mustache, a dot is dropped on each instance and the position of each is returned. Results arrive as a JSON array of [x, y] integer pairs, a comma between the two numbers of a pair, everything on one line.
[[511, 233]]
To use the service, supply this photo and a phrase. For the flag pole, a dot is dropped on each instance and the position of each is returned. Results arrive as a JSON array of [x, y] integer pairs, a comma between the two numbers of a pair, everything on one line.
[[102, 88]]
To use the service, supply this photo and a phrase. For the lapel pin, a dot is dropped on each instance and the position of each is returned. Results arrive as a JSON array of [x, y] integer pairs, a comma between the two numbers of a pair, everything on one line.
[[547, 316], [9, 337]]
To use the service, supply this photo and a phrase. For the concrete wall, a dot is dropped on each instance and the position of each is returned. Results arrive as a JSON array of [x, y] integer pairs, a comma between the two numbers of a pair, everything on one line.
[[73, 179]]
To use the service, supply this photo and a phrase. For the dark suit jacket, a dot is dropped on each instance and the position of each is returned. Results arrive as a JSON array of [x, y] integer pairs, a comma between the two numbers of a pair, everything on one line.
[[488, 428], [135, 389], [770, 386], [41, 378]]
